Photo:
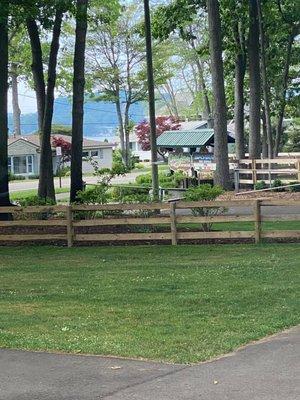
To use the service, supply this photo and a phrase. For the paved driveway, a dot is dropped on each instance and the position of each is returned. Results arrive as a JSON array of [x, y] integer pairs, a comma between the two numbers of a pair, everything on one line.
[[268, 370]]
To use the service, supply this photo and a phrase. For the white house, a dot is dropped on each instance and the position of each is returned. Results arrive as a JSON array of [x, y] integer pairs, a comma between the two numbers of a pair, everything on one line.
[[24, 154]]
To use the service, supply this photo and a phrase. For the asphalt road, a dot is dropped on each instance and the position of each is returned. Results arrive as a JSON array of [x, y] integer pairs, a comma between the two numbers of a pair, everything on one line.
[[16, 186], [268, 370]]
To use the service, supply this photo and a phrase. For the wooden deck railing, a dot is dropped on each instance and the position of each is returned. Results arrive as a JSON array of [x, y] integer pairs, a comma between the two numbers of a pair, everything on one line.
[[77, 223]]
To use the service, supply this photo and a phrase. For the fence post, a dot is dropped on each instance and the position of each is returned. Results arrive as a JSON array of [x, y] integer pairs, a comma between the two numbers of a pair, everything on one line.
[[70, 228], [236, 180], [257, 220], [254, 173], [173, 222]]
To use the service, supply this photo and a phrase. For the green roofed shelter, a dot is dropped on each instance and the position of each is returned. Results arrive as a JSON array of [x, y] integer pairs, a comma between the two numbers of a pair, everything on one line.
[[188, 138]]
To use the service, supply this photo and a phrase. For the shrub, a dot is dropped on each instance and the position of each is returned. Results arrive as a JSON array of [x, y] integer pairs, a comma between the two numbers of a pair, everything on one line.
[[277, 183], [139, 166], [35, 201], [130, 195], [204, 192], [294, 188], [260, 185], [12, 177], [32, 201], [96, 195], [63, 171], [145, 180], [117, 160], [166, 179], [34, 176]]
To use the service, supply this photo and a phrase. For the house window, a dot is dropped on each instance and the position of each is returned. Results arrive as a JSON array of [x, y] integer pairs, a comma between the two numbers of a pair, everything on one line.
[[29, 164], [132, 146], [85, 154], [21, 165], [94, 153], [9, 164]]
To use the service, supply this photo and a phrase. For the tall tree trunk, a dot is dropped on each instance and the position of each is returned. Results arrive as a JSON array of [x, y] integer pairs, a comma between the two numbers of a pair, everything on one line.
[[46, 183], [279, 128], [121, 128], [207, 108], [240, 69], [220, 122], [127, 133], [15, 100], [4, 190], [78, 98], [37, 70], [264, 137], [239, 102], [265, 85], [254, 82]]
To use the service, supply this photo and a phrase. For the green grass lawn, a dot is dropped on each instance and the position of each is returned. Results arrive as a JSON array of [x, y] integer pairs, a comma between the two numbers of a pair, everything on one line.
[[24, 194], [179, 304]]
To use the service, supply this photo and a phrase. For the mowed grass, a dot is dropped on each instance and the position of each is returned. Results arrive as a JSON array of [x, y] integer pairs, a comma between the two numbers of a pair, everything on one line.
[[25, 194], [179, 304]]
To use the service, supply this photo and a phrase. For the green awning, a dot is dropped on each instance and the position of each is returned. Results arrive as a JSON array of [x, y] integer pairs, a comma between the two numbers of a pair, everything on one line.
[[194, 138], [191, 138]]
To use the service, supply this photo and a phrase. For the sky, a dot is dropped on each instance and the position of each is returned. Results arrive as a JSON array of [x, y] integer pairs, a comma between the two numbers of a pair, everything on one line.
[[26, 100]]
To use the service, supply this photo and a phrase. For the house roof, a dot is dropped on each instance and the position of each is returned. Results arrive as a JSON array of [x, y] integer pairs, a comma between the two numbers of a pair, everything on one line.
[[191, 125], [35, 141], [188, 138]]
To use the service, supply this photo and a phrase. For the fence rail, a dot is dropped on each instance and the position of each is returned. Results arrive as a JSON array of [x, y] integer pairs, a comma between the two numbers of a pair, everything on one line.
[[285, 169], [77, 223]]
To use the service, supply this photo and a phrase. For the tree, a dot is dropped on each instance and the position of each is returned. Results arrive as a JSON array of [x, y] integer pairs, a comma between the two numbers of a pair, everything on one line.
[[4, 189], [220, 121], [78, 98], [235, 26], [46, 183], [265, 84], [184, 22], [254, 82], [116, 56], [289, 12], [163, 124], [66, 148], [37, 69]]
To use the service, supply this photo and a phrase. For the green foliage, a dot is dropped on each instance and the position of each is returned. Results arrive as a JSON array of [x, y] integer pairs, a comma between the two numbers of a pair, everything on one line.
[[293, 139], [118, 162], [139, 166], [294, 188], [260, 185], [61, 130], [63, 171], [121, 194], [97, 195], [12, 177], [36, 201], [277, 183], [166, 179], [204, 192]]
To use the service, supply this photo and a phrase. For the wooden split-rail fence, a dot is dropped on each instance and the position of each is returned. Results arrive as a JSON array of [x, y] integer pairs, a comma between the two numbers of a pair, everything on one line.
[[76, 218], [249, 172]]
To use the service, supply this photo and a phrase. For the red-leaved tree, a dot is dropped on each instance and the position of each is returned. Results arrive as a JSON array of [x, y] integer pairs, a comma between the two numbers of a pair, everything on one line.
[[163, 124], [65, 148]]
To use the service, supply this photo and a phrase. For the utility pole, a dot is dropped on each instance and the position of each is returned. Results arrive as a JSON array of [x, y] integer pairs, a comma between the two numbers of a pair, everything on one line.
[[151, 96]]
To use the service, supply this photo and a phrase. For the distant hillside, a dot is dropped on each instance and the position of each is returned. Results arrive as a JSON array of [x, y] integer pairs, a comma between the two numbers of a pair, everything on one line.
[[100, 119]]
